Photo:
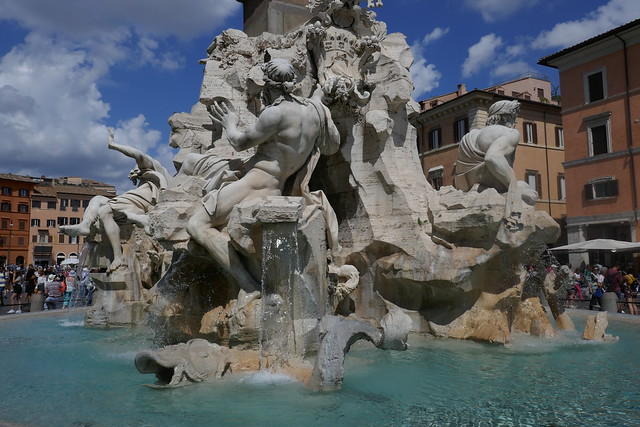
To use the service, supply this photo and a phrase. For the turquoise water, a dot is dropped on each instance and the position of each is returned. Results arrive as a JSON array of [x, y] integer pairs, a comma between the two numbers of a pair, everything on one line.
[[59, 373]]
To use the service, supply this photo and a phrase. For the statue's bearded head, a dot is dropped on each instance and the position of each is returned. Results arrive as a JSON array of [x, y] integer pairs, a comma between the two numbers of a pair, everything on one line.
[[279, 79], [504, 113]]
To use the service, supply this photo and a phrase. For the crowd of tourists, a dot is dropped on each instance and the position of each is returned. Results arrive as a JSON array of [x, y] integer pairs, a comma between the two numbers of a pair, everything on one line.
[[591, 283], [58, 285]]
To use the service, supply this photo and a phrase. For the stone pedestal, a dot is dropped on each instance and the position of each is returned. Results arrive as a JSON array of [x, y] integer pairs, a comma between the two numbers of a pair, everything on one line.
[[115, 300], [294, 288], [610, 302], [37, 302]]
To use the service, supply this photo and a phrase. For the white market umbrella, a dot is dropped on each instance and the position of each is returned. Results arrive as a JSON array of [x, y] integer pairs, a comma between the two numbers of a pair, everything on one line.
[[70, 261], [608, 245]]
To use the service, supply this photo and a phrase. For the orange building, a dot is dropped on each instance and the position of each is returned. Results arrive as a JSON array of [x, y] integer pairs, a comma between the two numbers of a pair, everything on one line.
[[600, 80], [57, 202], [15, 194], [446, 118]]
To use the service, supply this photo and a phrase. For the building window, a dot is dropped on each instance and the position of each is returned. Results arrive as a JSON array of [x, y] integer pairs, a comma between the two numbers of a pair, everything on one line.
[[35, 204], [434, 176], [540, 92], [6, 191], [598, 133], [562, 187], [23, 192], [63, 204], [23, 208], [21, 241], [75, 205], [435, 138], [43, 237], [559, 137], [601, 188], [85, 203], [51, 223], [530, 133], [22, 225], [532, 177], [60, 238], [5, 224], [74, 221], [460, 128], [5, 206], [595, 87], [73, 239], [52, 205], [63, 220], [598, 140], [35, 222]]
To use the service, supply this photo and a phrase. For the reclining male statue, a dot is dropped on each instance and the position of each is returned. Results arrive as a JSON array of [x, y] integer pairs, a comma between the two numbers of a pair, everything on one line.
[[290, 134], [131, 206], [486, 157]]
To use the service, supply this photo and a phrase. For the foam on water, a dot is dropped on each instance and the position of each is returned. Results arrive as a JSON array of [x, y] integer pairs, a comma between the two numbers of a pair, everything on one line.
[[66, 323], [266, 378]]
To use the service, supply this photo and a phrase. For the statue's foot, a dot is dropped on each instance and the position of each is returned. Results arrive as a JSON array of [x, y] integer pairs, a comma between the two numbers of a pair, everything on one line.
[[75, 230]]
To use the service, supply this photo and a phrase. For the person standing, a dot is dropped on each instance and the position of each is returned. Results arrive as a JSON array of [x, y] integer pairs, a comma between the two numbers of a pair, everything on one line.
[[630, 291], [29, 284], [70, 288], [3, 285], [599, 291], [42, 280], [17, 292]]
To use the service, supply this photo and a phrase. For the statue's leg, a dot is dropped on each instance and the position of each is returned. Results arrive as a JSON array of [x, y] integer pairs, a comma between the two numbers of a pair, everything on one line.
[[202, 230], [90, 216], [112, 231]]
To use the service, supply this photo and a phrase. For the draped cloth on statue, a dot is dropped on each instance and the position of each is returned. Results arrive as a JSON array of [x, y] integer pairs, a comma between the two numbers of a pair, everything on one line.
[[470, 161], [140, 199]]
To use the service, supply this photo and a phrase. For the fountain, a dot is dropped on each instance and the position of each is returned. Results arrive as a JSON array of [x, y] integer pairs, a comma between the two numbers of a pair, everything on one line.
[[299, 220]]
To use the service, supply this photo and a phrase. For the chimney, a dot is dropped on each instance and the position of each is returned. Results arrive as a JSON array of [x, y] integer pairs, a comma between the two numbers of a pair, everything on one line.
[[462, 89]]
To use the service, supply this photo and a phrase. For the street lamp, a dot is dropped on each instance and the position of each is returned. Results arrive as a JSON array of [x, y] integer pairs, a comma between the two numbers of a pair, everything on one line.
[[10, 236]]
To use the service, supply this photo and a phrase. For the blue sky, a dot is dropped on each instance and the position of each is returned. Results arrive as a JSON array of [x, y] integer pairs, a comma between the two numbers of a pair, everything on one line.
[[69, 68]]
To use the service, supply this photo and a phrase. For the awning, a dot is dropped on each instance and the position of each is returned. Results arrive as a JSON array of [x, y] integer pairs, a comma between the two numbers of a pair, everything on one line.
[[607, 245], [42, 250]]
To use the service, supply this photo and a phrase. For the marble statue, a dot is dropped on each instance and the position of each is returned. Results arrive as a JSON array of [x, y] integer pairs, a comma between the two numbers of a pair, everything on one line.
[[486, 157], [132, 206], [193, 361], [290, 132]]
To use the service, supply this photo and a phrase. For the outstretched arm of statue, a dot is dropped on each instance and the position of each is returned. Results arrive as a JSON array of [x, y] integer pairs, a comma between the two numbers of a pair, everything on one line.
[[266, 126], [143, 160]]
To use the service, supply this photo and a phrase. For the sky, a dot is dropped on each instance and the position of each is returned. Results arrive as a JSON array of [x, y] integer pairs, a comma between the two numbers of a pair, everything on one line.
[[71, 68]]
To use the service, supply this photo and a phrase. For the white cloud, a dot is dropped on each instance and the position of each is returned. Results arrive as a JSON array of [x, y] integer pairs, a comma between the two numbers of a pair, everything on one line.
[[606, 17], [434, 35], [89, 19], [493, 10], [510, 69], [425, 76], [52, 112], [481, 54]]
